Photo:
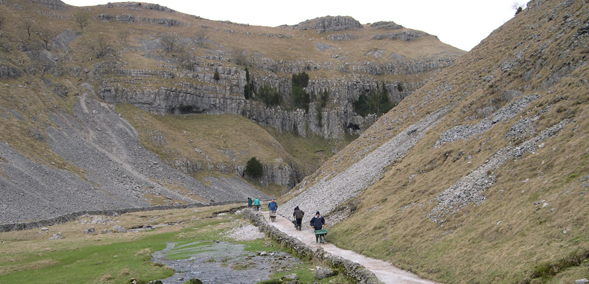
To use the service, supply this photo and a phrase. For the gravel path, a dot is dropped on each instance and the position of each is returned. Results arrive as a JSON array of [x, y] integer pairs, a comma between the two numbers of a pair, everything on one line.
[[384, 271]]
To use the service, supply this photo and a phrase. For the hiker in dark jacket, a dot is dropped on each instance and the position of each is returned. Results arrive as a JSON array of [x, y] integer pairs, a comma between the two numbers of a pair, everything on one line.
[[317, 223], [298, 215]]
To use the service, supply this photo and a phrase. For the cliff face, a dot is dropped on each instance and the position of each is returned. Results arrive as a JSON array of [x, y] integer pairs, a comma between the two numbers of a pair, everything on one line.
[[215, 82], [200, 93], [90, 92]]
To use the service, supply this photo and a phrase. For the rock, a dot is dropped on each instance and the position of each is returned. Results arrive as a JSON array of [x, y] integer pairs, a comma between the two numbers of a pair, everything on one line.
[[407, 35], [330, 24], [57, 236], [118, 228], [290, 277], [386, 25], [582, 281], [89, 231], [9, 72], [324, 273]]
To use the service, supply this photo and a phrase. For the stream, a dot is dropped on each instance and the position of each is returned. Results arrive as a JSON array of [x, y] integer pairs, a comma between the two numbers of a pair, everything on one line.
[[221, 262]]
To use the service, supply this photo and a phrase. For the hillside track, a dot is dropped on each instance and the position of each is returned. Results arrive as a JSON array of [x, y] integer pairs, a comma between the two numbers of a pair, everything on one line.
[[384, 271]]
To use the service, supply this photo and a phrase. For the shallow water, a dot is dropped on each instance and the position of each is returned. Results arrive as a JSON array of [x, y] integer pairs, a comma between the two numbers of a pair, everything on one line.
[[221, 262]]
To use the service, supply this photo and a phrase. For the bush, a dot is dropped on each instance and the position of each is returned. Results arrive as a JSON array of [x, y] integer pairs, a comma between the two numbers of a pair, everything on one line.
[[300, 98], [269, 96], [377, 101], [101, 47], [216, 76], [254, 168], [82, 19], [168, 42], [248, 89], [300, 79]]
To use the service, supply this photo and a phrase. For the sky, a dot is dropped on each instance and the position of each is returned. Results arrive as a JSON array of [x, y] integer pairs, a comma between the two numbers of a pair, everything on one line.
[[460, 23]]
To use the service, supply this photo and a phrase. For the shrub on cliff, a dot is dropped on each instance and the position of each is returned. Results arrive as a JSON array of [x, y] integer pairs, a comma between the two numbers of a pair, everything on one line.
[[377, 102], [270, 96], [300, 97], [254, 168]]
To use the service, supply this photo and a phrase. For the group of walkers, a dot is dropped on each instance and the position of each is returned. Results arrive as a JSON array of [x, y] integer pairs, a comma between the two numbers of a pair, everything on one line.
[[272, 206], [317, 222]]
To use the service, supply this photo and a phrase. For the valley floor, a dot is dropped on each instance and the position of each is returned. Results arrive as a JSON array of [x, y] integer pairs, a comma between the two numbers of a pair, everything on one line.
[[384, 271]]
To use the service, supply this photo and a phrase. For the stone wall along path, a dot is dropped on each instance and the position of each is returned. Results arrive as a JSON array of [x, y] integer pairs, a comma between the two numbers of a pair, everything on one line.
[[384, 271]]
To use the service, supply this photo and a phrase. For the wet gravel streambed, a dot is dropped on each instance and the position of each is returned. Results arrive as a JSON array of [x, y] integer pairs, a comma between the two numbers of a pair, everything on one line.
[[221, 262]]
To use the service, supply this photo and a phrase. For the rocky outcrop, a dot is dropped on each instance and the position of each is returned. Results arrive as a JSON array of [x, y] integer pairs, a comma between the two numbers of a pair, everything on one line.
[[9, 72], [200, 92], [52, 4], [469, 189], [333, 122], [386, 25], [342, 37], [465, 131], [330, 24], [407, 35], [280, 173], [128, 18]]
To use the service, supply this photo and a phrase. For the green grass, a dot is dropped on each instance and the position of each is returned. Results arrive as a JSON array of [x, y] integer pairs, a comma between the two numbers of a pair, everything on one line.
[[121, 261], [29, 257]]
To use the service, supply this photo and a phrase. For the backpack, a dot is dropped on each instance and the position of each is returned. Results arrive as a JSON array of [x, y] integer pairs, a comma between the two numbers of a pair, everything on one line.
[[299, 214]]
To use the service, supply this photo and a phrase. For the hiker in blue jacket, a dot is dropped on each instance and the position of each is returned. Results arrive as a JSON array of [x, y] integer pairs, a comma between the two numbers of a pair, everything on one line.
[[272, 206]]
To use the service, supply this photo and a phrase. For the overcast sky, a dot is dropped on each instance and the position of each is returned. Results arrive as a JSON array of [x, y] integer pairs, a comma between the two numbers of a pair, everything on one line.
[[460, 23]]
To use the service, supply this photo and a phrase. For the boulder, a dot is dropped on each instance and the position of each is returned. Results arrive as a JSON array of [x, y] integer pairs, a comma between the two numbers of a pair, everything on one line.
[[57, 236], [322, 273], [119, 229]]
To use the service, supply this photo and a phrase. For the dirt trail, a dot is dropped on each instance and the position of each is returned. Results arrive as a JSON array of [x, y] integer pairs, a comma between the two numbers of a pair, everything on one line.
[[384, 271]]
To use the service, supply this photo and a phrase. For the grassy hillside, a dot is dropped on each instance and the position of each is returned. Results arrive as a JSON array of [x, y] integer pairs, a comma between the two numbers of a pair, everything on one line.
[[530, 226], [48, 50]]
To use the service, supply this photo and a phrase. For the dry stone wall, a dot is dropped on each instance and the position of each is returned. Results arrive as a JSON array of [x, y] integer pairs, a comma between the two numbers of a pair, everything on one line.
[[352, 270]]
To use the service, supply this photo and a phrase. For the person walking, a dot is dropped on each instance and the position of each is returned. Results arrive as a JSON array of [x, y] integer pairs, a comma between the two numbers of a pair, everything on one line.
[[249, 202], [257, 204], [272, 206], [317, 222], [298, 216]]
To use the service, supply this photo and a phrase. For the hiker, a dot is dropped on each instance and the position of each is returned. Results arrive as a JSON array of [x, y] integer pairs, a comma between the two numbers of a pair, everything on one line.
[[249, 202], [272, 206], [298, 215], [317, 222], [257, 204]]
